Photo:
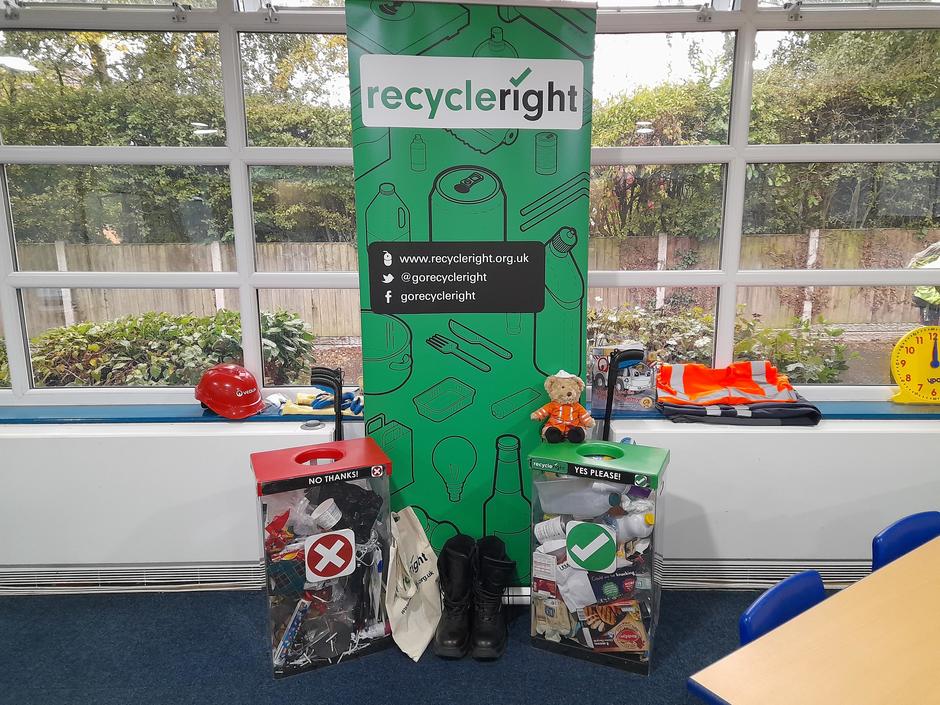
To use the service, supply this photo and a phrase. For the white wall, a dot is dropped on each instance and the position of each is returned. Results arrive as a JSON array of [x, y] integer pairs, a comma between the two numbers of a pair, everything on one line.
[[184, 493], [135, 493], [750, 505]]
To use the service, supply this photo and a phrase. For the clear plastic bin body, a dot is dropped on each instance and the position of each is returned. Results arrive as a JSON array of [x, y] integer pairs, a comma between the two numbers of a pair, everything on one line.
[[595, 592], [324, 517]]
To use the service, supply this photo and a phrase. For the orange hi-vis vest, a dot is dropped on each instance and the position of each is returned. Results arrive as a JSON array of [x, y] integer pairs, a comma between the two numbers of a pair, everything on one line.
[[740, 383]]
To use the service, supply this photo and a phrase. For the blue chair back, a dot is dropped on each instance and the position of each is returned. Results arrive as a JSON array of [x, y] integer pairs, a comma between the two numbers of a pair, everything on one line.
[[904, 536], [780, 604]]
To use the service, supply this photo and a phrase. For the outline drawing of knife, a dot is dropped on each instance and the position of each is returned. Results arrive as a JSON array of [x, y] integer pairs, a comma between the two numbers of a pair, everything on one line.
[[471, 336]]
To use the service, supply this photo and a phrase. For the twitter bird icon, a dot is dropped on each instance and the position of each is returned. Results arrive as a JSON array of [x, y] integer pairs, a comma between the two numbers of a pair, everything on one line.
[[387, 278]]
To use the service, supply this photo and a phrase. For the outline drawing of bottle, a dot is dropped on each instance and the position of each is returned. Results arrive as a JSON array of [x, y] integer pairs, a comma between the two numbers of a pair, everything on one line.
[[496, 46], [387, 217], [507, 514], [559, 338], [419, 154]]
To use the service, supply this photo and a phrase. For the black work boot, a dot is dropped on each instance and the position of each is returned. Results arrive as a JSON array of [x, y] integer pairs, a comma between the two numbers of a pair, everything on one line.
[[492, 573], [455, 565]]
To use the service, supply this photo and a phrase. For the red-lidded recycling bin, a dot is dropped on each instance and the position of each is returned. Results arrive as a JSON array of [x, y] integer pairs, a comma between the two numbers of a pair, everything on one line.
[[324, 517]]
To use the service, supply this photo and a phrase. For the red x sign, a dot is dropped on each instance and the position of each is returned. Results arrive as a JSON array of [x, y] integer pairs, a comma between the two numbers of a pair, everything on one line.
[[330, 555]]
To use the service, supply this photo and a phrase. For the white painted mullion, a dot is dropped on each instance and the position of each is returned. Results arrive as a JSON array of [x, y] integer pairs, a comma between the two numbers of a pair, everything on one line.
[[861, 17], [85, 396], [305, 280], [110, 18], [678, 154], [332, 20], [665, 19], [296, 156], [124, 280], [237, 138], [342, 156], [325, 20], [845, 392], [735, 181], [29, 154], [13, 331], [838, 277], [657, 278], [788, 153]]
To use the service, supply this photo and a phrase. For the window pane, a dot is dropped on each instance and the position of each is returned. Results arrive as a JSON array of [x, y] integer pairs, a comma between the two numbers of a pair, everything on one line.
[[110, 88], [681, 95], [121, 218], [656, 216], [675, 324], [302, 328], [4, 360], [830, 334], [129, 337], [304, 219], [296, 89], [839, 216], [855, 86]]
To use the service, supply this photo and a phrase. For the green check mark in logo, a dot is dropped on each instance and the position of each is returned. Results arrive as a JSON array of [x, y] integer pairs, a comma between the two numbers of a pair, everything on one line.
[[591, 546], [521, 77]]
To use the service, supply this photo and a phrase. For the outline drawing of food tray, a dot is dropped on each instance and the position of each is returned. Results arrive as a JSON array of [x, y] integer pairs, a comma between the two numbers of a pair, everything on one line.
[[444, 399]]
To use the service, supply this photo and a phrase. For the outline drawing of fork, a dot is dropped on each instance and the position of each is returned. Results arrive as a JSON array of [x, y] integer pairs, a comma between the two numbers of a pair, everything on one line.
[[446, 346]]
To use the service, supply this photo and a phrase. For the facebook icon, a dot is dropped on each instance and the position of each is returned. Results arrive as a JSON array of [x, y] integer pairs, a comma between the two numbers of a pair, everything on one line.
[[388, 296]]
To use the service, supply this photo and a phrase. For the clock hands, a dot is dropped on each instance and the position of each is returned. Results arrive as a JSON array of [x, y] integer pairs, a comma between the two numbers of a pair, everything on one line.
[[935, 360]]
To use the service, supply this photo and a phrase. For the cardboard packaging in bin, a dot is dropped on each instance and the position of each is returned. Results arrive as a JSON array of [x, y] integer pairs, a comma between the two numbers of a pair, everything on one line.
[[325, 517]]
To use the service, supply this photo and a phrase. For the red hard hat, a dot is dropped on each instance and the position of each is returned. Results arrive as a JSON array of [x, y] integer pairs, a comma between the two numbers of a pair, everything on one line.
[[230, 391]]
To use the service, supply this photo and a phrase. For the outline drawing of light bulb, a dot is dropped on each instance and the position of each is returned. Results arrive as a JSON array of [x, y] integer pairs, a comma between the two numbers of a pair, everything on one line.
[[454, 458]]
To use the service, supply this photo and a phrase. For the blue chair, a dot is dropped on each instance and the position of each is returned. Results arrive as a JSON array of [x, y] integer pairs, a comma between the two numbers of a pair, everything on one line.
[[904, 536], [780, 604]]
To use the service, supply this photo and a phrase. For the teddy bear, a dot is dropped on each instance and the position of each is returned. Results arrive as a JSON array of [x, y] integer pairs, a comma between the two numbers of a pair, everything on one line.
[[564, 416]]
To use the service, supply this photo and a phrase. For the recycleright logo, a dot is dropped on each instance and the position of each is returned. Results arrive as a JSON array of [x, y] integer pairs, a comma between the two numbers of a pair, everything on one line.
[[457, 92]]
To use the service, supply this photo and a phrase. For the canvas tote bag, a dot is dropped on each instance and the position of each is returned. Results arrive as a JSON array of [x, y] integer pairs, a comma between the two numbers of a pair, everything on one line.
[[412, 598]]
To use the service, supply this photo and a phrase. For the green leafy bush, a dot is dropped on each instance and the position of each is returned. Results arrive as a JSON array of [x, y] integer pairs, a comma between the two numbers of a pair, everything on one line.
[[808, 354], [160, 349], [676, 335], [4, 365]]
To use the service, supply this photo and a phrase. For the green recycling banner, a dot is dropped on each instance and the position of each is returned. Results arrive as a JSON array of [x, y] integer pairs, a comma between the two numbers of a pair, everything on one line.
[[471, 149]]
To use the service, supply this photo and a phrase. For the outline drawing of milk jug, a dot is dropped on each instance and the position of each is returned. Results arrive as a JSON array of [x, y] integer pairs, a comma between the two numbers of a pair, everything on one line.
[[387, 217], [559, 329]]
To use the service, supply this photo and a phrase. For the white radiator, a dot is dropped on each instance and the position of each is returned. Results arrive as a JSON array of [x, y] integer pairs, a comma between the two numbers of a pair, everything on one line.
[[125, 507]]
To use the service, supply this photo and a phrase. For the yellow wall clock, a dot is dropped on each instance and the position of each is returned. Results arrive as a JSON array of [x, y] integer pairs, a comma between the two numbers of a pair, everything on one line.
[[915, 365]]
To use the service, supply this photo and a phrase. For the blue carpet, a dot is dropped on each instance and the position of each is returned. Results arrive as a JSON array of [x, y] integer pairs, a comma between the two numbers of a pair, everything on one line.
[[170, 649]]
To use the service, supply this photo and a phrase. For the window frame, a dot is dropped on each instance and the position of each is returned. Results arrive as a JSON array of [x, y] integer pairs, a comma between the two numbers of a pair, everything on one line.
[[746, 20]]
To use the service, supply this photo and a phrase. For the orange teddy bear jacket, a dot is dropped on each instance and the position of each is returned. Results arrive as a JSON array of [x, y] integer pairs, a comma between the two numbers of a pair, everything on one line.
[[563, 416]]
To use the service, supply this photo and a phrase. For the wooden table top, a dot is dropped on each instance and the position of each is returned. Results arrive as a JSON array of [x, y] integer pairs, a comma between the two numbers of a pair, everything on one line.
[[874, 643]]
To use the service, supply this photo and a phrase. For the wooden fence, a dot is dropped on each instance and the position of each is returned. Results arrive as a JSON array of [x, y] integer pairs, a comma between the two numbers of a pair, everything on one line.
[[335, 312]]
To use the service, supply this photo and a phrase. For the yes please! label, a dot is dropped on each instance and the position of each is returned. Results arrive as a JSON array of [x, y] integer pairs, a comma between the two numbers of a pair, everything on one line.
[[454, 92]]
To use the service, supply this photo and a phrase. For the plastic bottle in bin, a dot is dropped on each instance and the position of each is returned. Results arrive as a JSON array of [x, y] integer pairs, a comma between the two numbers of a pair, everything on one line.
[[507, 513]]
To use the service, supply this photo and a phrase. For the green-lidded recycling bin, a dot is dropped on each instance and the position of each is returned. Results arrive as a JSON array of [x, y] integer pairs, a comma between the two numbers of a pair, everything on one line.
[[595, 583]]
